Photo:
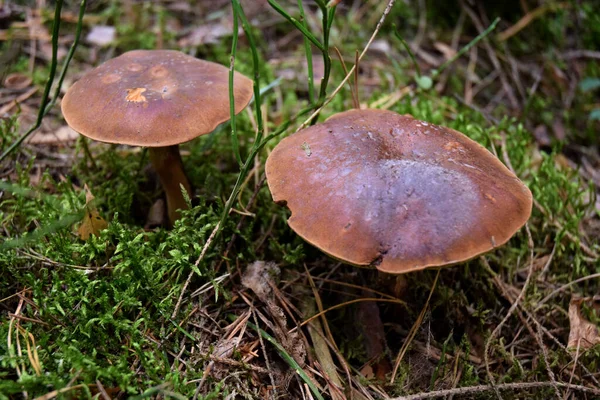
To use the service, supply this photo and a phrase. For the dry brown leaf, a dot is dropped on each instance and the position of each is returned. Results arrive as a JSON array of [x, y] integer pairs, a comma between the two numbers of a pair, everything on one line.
[[584, 334], [92, 222], [259, 277], [208, 34], [101, 35], [17, 81]]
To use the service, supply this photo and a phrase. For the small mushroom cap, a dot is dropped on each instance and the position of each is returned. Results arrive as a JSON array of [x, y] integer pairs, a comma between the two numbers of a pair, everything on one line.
[[153, 98], [372, 187]]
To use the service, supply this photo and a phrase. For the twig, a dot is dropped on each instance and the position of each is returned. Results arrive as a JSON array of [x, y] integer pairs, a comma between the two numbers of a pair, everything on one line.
[[321, 342], [235, 363], [528, 18], [559, 344], [560, 289], [287, 358], [343, 63], [581, 54], [468, 47], [9, 342], [413, 330], [347, 303], [23, 318], [529, 315], [55, 393], [547, 361], [470, 390], [505, 84], [549, 262], [512, 308], [574, 366], [101, 389], [6, 108]]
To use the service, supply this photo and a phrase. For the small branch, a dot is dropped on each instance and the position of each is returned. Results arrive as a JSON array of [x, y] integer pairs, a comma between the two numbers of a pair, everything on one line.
[[564, 287], [488, 388]]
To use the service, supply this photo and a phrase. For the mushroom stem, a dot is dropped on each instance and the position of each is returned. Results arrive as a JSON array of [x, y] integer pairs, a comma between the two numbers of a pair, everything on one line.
[[167, 164]]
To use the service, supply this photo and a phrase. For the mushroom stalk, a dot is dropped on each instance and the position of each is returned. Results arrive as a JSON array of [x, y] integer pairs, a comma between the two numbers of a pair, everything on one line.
[[169, 167]]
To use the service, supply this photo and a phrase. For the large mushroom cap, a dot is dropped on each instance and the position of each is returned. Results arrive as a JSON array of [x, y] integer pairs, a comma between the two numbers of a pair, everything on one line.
[[153, 98], [373, 187]]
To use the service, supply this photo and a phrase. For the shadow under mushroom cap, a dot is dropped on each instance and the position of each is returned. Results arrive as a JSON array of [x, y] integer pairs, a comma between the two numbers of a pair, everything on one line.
[[372, 187]]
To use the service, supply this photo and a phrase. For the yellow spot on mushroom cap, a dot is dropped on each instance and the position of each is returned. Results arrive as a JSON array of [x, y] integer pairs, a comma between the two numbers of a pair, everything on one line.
[[135, 95], [450, 146]]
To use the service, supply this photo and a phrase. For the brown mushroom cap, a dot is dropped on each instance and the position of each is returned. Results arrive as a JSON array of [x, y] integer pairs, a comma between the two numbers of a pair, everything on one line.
[[153, 98], [372, 187]]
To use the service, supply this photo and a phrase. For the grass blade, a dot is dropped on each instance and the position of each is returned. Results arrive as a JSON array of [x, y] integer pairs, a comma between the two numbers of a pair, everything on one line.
[[47, 105], [297, 24], [255, 65], [234, 137], [466, 48], [308, 51]]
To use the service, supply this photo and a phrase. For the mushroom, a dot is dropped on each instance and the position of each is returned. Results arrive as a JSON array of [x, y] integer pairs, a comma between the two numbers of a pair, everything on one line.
[[375, 188], [157, 99]]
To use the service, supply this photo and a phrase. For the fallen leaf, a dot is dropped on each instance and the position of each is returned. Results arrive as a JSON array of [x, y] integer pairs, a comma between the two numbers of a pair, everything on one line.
[[92, 222], [17, 81], [584, 334], [381, 45], [208, 34], [156, 215], [101, 35], [259, 277]]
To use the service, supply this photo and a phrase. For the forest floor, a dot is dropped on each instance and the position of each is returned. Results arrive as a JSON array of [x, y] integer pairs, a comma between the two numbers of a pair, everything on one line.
[[230, 302]]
